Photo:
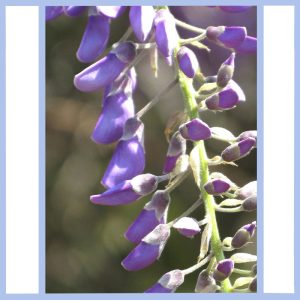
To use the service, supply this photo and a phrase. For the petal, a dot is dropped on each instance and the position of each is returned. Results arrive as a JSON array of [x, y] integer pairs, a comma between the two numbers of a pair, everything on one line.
[[99, 74], [158, 288], [118, 195], [141, 20], [188, 62], [142, 256], [53, 12], [195, 130], [187, 227], [170, 163], [128, 161], [95, 38], [74, 11], [112, 11], [249, 46], [233, 36], [116, 110]]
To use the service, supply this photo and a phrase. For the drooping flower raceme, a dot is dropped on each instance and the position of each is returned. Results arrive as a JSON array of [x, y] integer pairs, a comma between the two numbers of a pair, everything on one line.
[[155, 30]]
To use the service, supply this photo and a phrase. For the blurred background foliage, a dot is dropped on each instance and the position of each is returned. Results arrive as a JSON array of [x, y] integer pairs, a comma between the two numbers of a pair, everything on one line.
[[85, 243]]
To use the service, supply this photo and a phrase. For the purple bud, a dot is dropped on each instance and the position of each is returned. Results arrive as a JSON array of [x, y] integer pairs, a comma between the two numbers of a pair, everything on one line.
[[128, 159], [238, 150], [229, 37], [188, 62], [253, 285], [246, 134], [248, 190], [254, 269], [226, 70], [187, 226], [233, 85], [111, 11], [95, 38], [141, 20], [223, 270], [53, 12], [127, 191], [250, 203], [153, 214], [249, 46], [243, 235], [168, 283], [74, 11], [205, 283], [223, 100], [217, 186], [148, 250], [166, 35], [106, 70], [177, 147], [234, 9], [195, 130]]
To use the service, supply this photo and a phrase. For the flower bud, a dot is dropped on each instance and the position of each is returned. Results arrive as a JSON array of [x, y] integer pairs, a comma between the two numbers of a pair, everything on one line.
[[229, 37], [168, 283], [141, 20], [223, 270], [223, 100], [248, 46], [195, 130], [128, 159], [243, 235], [234, 9], [177, 147], [246, 134], [254, 269], [188, 62], [249, 204], [166, 35], [111, 11], [253, 285], [95, 38], [248, 190], [226, 70], [153, 214], [238, 150], [148, 250], [205, 283], [74, 11], [53, 12], [127, 191], [107, 69], [217, 186], [187, 226]]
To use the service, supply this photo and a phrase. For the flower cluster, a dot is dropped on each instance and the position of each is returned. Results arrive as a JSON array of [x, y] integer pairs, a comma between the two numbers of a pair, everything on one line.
[[154, 29]]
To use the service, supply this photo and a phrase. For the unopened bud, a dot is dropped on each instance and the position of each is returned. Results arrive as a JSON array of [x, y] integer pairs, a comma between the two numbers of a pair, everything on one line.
[[226, 70]]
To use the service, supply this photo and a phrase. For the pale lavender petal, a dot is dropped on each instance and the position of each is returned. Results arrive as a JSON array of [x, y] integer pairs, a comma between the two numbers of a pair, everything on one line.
[[158, 288], [112, 11], [53, 12], [74, 11]]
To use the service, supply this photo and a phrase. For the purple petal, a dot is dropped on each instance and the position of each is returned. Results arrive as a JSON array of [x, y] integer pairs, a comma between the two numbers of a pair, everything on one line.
[[53, 12], [128, 161], [216, 186], [120, 194], [95, 38], [117, 109], [142, 256], [170, 163], [112, 11], [187, 227], [225, 99], [188, 62], [249, 46], [141, 20], [158, 288], [195, 130], [74, 11]]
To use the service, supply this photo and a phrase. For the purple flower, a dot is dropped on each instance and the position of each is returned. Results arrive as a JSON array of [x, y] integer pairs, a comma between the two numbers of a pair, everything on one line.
[[168, 283], [243, 235], [238, 150], [230, 37], [105, 70], [74, 11], [153, 214], [128, 159], [112, 11], [187, 226], [223, 100], [127, 191], [248, 190], [217, 186], [177, 147], [166, 35], [195, 130], [141, 20], [148, 250], [234, 9], [53, 12], [188, 62], [226, 70], [249, 46], [246, 134], [223, 270], [233, 85], [205, 283], [95, 38], [250, 203]]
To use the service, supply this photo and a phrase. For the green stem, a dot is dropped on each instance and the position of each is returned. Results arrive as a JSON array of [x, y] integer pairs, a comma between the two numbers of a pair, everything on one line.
[[209, 202]]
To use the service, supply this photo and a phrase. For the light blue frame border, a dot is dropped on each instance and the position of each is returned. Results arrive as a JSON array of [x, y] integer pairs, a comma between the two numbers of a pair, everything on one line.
[[42, 4]]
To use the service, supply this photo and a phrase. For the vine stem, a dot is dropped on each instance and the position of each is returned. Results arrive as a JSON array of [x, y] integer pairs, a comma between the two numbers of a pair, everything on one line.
[[209, 202]]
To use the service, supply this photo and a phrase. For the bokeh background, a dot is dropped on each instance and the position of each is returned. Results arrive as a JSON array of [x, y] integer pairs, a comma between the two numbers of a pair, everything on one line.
[[84, 242]]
